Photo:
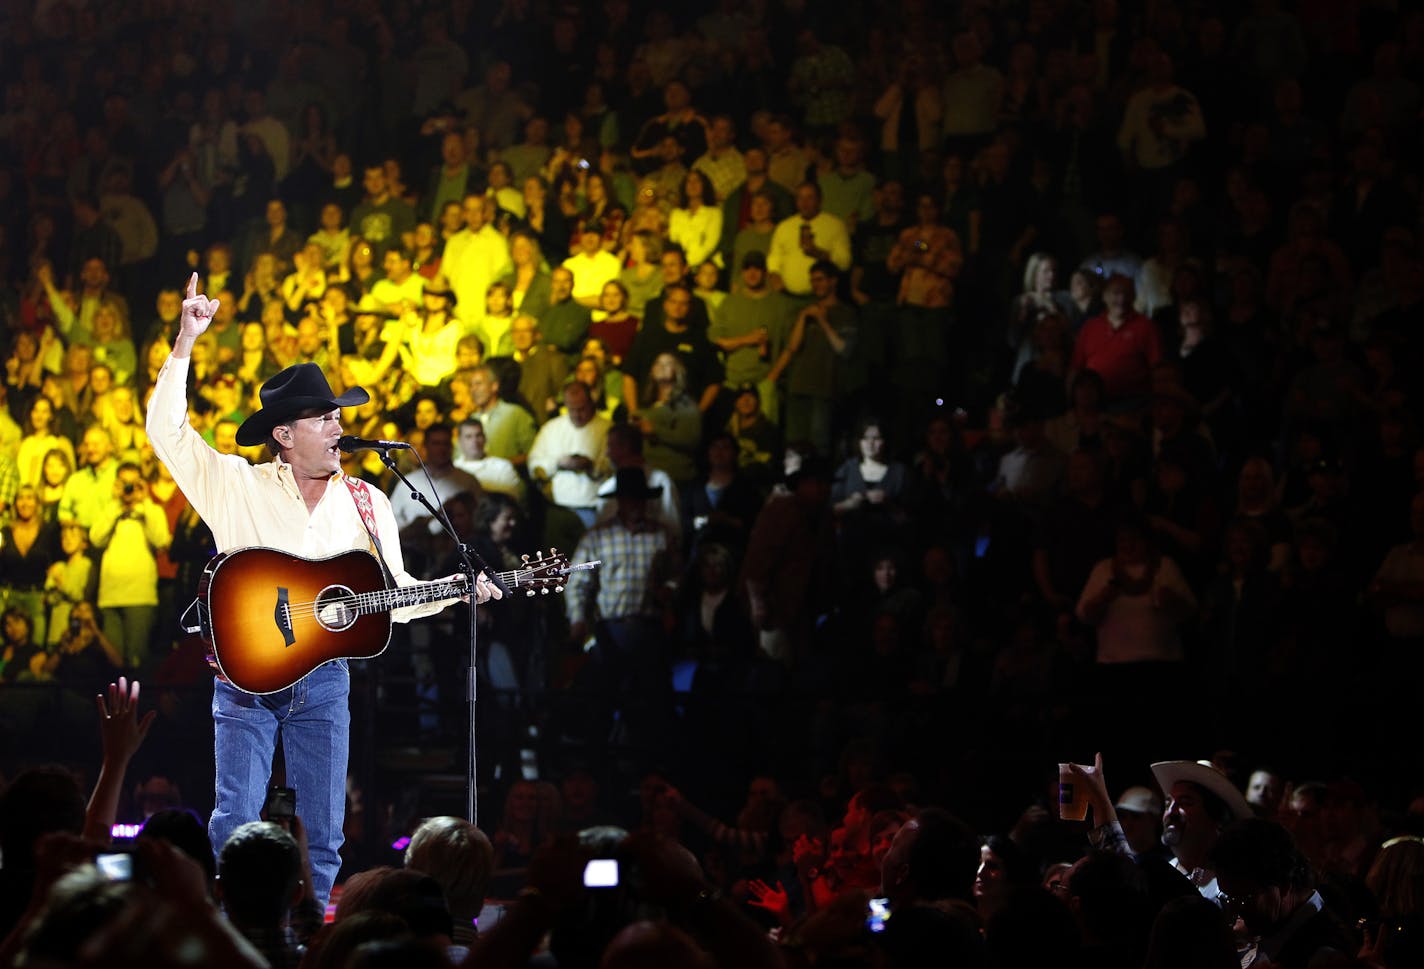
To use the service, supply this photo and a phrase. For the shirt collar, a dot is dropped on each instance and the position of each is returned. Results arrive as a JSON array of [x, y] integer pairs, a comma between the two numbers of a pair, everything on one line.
[[281, 472]]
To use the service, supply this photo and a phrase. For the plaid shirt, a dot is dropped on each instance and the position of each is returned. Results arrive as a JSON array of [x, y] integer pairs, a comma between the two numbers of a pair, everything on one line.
[[278, 946], [9, 485], [727, 171], [634, 563]]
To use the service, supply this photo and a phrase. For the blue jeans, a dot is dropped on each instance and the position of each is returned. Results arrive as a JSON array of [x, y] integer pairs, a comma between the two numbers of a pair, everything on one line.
[[315, 723]]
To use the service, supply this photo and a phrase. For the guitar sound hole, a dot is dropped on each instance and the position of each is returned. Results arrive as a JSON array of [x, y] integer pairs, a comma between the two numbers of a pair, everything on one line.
[[334, 609]]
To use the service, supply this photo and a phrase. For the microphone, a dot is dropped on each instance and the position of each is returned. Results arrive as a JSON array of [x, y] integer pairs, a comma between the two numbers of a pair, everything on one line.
[[348, 443]]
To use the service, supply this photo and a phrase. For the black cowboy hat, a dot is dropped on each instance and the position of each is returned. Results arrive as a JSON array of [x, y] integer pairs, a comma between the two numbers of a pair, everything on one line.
[[298, 388], [633, 483]]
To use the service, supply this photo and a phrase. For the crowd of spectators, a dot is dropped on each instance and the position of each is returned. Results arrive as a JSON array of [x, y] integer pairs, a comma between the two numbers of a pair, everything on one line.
[[948, 389]]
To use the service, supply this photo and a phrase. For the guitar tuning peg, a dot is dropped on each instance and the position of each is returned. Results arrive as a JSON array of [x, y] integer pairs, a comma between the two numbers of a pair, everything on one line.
[[544, 591], [558, 588], [529, 593]]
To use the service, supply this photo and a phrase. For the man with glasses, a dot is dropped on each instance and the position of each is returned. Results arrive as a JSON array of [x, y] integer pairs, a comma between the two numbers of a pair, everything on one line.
[[1266, 882]]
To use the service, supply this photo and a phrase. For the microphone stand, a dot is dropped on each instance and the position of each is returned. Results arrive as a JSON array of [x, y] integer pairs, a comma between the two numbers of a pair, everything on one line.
[[471, 564]]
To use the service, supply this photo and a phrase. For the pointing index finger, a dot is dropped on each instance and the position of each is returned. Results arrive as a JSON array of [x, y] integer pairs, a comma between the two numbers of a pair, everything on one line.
[[193, 285]]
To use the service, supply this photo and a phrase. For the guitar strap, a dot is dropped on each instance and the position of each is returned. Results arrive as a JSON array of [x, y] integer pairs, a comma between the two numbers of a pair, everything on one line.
[[361, 495]]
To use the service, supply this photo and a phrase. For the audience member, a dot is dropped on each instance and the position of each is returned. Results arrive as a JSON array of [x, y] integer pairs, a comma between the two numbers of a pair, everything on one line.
[[1236, 333]]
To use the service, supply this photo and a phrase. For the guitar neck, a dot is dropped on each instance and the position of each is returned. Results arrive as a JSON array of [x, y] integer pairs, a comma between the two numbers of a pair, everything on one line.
[[385, 600]]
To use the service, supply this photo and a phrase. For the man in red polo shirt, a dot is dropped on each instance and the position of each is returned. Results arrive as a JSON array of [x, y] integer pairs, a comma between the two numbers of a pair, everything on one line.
[[1121, 345]]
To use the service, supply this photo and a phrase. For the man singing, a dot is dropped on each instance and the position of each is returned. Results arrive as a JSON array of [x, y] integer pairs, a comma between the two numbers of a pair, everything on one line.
[[299, 503]]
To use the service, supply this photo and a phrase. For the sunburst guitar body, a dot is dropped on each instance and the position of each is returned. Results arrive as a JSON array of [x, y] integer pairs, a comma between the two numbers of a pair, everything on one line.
[[271, 617]]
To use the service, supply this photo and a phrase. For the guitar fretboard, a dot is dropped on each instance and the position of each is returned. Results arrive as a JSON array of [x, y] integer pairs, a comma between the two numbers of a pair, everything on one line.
[[384, 600]]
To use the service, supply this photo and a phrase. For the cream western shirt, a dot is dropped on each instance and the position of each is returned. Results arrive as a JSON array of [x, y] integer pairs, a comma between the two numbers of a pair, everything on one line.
[[259, 505]]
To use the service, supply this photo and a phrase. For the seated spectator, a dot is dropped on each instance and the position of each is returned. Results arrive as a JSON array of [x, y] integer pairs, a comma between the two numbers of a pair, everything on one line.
[[543, 370], [505, 190], [565, 322], [603, 379], [113, 343], [642, 275], [495, 321], [528, 282], [494, 474], [441, 476], [614, 325], [705, 281], [332, 239], [509, 428], [592, 266], [567, 457], [602, 211]]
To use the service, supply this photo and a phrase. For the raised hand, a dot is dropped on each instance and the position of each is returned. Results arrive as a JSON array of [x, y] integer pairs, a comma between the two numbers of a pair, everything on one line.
[[774, 900], [198, 311], [120, 728]]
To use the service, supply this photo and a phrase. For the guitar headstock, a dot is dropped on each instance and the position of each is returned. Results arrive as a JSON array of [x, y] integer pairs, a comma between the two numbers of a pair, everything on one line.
[[542, 573]]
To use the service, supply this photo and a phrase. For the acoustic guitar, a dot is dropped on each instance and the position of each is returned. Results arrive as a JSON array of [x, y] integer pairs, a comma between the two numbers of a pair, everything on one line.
[[271, 617]]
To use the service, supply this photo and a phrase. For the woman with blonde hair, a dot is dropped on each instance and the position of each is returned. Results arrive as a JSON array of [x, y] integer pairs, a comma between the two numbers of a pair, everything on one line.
[[1041, 296], [113, 345]]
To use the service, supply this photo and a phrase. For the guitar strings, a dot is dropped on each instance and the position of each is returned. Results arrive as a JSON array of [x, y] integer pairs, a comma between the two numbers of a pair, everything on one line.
[[383, 599]]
